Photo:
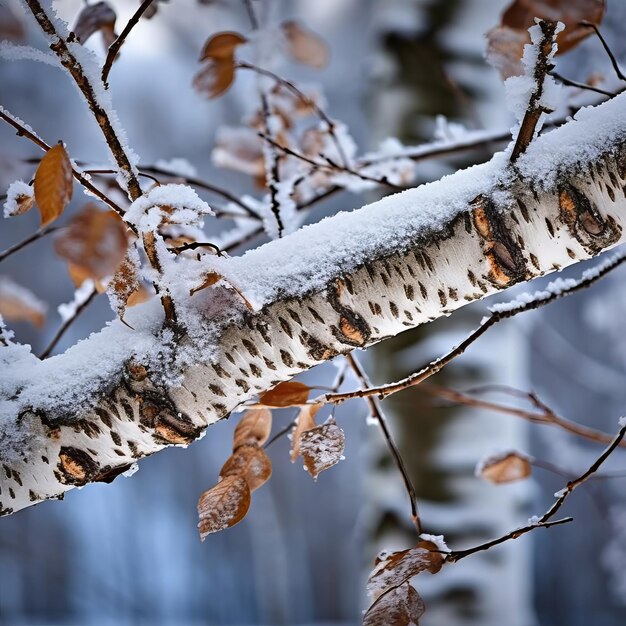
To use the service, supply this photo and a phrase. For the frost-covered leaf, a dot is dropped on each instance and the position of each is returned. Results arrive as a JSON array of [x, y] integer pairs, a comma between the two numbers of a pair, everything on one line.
[[304, 421], [218, 58], [253, 429], [20, 304], [396, 568], [95, 242], [224, 505], [291, 393], [93, 18], [305, 46], [322, 447], [212, 278], [53, 184], [125, 282], [505, 43], [402, 606], [504, 468], [20, 199], [251, 463]]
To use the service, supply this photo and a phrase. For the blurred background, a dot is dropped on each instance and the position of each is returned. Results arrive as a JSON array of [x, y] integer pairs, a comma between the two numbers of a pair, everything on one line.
[[129, 552]]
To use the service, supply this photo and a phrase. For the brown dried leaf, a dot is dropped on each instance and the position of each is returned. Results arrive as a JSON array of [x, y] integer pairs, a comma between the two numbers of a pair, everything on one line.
[[222, 46], [93, 18], [396, 568], [505, 43], [253, 429], [211, 279], [78, 276], [305, 421], [305, 46], [322, 447], [224, 505], [215, 77], [250, 462], [402, 606], [506, 469], [19, 304], [291, 393], [53, 184], [125, 282], [95, 242]]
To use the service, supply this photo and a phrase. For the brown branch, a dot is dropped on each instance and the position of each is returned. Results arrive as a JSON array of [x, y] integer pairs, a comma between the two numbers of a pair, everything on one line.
[[35, 237], [68, 322], [377, 413], [306, 100], [573, 83], [72, 65], [119, 42], [541, 299], [535, 108], [545, 417], [22, 131]]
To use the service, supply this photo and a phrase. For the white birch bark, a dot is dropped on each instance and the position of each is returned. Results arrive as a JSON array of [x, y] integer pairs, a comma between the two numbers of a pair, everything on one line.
[[563, 202]]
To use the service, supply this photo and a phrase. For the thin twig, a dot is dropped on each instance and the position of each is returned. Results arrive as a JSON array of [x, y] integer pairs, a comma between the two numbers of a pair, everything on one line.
[[68, 322], [574, 83], [35, 237], [535, 109], [117, 44], [22, 131], [435, 366], [329, 165], [614, 62], [305, 99], [377, 413], [545, 417]]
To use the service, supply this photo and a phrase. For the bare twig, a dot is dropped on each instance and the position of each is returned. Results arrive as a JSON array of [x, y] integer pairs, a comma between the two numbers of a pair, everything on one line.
[[573, 83], [540, 300], [68, 322], [377, 413], [22, 131], [535, 108], [546, 416], [34, 237], [608, 50], [119, 42]]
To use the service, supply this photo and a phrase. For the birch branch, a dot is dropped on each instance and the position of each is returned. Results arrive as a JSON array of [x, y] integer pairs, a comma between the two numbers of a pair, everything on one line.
[[347, 282]]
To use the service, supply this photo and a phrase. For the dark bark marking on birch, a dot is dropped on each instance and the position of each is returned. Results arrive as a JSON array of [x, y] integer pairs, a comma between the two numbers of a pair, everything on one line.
[[584, 222], [507, 264]]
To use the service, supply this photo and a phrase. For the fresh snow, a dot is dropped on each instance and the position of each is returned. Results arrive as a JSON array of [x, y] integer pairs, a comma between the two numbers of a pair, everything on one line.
[[17, 190]]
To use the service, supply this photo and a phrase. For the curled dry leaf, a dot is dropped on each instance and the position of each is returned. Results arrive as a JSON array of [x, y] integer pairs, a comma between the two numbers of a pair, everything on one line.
[[218, 58], [95, 242], [19, 304], [253, 429], [322, 447], [53, 184], [291, 393], [505, 43], [250, 462], [305, 46], [505, 468], [401, 606], [396, 568], [141, 294], [93, 18], [224, 505], [304, 421], [212, 278]]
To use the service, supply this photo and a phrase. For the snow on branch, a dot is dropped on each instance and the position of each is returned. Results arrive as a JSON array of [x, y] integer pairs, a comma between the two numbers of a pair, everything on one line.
[[347, 282]]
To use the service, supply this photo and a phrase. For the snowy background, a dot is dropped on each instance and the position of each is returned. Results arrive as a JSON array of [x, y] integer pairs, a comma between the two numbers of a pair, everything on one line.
[[129, 553]]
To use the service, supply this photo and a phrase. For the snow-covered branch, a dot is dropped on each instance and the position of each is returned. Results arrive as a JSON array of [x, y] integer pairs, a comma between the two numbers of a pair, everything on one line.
[[349, 281]]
